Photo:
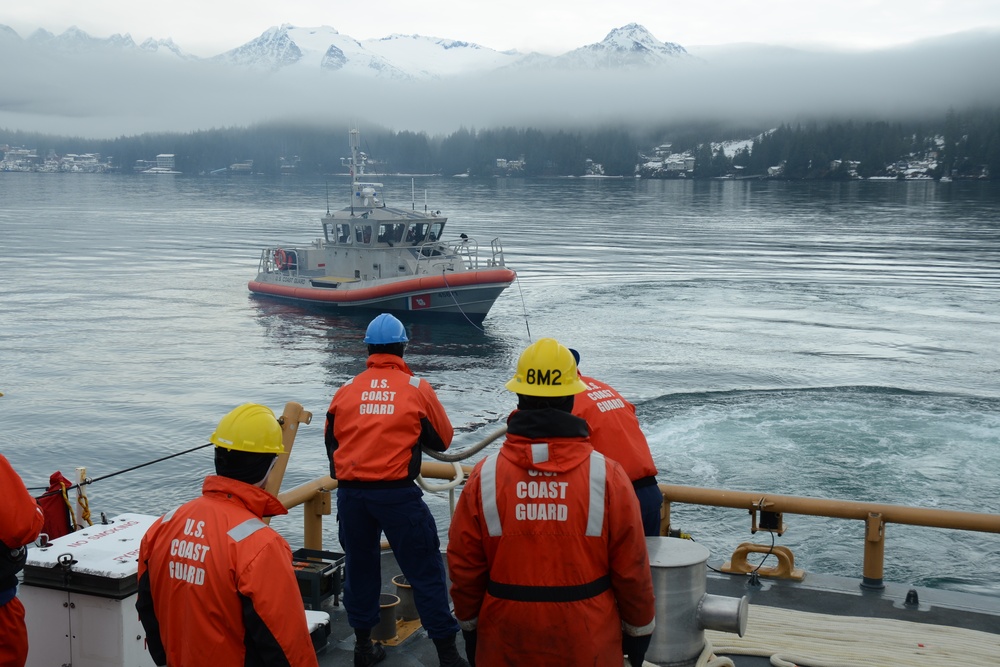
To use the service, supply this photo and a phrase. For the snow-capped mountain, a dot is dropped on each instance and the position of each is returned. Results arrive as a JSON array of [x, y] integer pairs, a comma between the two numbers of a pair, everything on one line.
[[393, 57], [165, 46], [74, 42], [289, 48], [630, 46]]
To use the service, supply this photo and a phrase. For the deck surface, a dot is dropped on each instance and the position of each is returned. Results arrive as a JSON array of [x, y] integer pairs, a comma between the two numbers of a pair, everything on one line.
[[839, 596]]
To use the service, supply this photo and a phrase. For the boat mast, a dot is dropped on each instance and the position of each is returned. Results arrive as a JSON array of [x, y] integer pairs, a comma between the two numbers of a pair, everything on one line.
[[354, 138]]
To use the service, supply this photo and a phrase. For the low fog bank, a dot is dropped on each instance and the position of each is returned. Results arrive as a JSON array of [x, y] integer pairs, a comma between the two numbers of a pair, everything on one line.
[[99, 96]]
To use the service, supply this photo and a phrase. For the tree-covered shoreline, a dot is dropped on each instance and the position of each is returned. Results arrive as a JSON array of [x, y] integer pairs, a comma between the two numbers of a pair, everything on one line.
[[960, 144]]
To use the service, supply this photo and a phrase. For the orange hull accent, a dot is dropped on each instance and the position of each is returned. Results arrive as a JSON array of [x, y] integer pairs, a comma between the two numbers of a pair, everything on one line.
[[390, 290]]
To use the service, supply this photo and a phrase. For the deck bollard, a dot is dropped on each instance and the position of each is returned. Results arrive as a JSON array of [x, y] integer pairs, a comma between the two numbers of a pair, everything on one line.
[[683, 609], [407, 609], [386, 628]]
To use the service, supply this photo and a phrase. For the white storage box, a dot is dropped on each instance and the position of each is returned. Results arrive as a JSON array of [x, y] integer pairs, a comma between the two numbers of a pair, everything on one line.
[[79, 596]]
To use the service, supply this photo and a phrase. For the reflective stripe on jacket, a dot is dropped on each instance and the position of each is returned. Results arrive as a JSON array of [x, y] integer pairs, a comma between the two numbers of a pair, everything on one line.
[[614, 428], [378, 422], [216, 584], [545, 531]]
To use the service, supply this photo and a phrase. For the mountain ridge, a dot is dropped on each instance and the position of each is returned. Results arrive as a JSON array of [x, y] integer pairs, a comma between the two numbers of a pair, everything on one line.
[[75, 84], [396, 56]]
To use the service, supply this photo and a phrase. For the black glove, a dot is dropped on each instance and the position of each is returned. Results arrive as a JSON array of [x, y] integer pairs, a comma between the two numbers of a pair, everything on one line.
[[470, 637], [635, 648]]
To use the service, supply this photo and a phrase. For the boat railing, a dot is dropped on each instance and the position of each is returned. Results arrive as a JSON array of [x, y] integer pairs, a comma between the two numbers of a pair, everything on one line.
[[767, 511], [468, 250], [497, 250], [767, 514], [433, 257], [278, 260]]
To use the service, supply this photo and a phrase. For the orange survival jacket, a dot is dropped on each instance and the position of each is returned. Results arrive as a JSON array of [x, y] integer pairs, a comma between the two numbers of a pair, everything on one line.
[[614, 428], [546, 551], [21, 519], [216, 584], [379, 420]]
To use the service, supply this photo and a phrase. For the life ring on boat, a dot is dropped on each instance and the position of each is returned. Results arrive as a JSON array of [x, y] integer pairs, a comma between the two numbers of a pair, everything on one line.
[[281, 259]]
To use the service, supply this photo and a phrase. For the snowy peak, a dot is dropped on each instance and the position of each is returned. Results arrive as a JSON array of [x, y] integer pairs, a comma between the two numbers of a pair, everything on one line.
[[401, 57], [75, 40], [290, 48], [304, 51], [629, 46], [431, 57], [274, 49], [166, 46]]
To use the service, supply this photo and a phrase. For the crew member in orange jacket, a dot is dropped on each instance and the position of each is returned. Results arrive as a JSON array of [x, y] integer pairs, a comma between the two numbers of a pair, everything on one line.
[[21, 520], [375, 428], [216, 584], [615, 432], [546, 552]]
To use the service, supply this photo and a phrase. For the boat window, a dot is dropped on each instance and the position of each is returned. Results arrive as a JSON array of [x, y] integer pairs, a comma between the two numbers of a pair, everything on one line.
[[436, 230], [363, 233], [384, 233], [343, 233], [419, 232]]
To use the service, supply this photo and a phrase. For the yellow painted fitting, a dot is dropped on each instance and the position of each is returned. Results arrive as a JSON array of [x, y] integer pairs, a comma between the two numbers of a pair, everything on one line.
[[785, 569]]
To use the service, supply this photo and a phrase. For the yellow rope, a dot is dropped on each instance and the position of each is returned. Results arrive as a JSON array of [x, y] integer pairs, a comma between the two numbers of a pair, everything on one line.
[[84, 503], [803, 639], [69, 506]]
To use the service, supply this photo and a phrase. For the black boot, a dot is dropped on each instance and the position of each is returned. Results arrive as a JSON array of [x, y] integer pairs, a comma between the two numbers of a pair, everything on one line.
[[448, 653], [366, 652]]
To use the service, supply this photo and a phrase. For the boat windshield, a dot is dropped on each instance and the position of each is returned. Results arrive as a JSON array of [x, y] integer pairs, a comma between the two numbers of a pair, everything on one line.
[[344, 233], [363, 233], [421, 232], [391, 233]]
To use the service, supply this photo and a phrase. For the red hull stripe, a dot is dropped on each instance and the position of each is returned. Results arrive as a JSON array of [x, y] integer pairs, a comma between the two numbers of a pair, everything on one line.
[[401, 288]]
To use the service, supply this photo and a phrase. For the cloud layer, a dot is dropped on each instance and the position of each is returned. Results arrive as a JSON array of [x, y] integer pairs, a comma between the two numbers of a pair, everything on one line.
[[103, 94]]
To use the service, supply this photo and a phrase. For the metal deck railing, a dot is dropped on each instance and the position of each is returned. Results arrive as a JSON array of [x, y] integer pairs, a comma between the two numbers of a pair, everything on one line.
[[767, 510]]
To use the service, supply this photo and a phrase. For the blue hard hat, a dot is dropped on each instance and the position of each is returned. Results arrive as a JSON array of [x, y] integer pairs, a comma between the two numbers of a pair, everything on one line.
[[385, 329]]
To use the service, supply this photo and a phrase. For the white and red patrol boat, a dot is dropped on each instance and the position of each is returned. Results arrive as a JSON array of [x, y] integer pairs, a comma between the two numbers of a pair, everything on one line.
[[372, 256]]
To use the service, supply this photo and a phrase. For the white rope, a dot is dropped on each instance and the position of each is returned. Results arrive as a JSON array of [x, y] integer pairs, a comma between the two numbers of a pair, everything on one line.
[[709, 659], [706, 659], [803, 639], [450, 484]]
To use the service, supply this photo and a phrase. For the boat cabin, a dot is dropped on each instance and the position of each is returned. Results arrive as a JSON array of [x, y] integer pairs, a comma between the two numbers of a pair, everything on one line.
[[372, 233]]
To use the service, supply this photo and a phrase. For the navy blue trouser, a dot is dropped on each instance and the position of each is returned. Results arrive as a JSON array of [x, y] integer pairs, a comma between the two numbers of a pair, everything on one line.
[[650, 502], [363, 515]]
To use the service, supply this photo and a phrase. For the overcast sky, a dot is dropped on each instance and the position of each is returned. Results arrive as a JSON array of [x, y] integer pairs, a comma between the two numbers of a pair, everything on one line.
[[210, 27], [864, 59]]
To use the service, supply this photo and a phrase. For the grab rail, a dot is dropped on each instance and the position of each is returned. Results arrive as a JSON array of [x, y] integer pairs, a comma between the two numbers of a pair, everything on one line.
[[875, 516]]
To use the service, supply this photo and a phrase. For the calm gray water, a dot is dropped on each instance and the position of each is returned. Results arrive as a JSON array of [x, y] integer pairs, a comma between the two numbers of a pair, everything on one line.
[[835, 340]]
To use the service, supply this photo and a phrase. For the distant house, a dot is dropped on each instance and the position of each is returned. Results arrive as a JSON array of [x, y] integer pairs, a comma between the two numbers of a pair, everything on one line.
[[244, 167], [20, 159], [165, 161]]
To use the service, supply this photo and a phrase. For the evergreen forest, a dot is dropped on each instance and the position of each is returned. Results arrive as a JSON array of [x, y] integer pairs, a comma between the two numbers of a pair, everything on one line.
[[960, 143]]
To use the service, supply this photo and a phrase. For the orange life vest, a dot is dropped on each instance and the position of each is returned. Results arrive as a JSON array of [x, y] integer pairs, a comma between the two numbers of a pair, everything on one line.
[[614, 428], [21, 520], [379, 420], [216, 584], [548, 530]]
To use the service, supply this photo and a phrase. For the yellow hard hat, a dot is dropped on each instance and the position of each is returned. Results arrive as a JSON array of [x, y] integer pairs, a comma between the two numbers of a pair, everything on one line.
[[249, 428], [546, 368]]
